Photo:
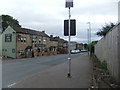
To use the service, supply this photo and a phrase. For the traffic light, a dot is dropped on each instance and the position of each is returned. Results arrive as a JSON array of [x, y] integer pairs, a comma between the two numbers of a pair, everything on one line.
[[72, 27]]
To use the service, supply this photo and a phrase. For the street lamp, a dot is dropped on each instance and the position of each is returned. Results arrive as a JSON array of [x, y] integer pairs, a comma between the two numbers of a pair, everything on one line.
[[69, 4], [89, 36]]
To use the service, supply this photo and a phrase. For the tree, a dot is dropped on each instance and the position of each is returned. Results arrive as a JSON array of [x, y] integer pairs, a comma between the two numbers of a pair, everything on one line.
[[9, 20], [85, 45], [91, 46], [105, 29]]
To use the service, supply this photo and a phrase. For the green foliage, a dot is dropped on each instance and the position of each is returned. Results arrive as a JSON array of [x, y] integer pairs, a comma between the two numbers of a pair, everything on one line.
[[105, 29], [9, 20], [85, 45], [103, 65], [91, 46]]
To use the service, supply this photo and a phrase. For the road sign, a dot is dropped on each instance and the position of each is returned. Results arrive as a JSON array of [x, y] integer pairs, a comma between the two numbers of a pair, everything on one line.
[[72, 27]]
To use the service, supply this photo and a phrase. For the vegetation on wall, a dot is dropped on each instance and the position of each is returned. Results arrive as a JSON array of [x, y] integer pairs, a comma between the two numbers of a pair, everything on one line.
[[105, 29], [103, 65], [91, 46]]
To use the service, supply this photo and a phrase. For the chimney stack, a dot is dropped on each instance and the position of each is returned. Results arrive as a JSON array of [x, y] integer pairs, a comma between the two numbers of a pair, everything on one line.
[[43, 31], [51, 36]]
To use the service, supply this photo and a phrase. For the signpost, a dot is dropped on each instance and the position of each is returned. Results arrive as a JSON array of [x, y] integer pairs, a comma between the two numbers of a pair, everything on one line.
[[72, 27], [69, 4]]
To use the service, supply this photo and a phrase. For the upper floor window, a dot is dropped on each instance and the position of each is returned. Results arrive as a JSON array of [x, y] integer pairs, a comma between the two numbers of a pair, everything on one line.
[[45, 41], [39, 40], [8, 37], [34, 40], [22, 39]]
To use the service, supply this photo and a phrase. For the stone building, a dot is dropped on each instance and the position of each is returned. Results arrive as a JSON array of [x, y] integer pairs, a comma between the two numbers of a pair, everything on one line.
[[62, 45], [17, 42], [21, 42], [53, 45], [59, 44]]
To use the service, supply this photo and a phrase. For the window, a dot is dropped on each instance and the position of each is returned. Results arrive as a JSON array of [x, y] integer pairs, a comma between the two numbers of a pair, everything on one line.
[[13, 50], [34, 41], [8, 37], [39, 40], [45, 41], [24, 39]]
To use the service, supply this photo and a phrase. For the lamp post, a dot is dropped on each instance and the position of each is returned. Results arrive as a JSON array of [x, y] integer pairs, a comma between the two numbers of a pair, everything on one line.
[[89, 36], [69, 4]]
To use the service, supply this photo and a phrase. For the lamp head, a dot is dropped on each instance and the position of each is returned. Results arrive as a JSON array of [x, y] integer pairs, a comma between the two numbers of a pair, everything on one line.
[[69, 3]]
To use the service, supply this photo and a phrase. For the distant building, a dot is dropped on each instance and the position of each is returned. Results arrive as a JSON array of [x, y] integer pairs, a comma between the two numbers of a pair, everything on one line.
[[73, 45], [79, 46], [119, 12], [76, 46], [53, 45], [59, 44]]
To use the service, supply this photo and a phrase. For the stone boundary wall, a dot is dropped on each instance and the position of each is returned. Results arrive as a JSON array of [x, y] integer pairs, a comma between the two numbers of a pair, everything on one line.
[[108, 49]]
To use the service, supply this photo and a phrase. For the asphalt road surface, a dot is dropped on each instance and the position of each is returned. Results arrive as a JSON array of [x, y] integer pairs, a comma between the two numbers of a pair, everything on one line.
[[15, 71]]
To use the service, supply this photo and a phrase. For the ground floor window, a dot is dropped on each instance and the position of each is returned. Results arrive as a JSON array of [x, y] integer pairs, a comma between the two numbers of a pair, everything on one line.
[[8, 37]]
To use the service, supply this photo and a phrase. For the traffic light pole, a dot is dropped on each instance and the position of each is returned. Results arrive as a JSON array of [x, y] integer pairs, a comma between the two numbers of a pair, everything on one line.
[[69, 54]]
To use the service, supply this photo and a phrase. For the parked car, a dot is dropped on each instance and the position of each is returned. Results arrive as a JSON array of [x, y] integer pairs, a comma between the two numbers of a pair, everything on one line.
[[84, 50], [75, 51]]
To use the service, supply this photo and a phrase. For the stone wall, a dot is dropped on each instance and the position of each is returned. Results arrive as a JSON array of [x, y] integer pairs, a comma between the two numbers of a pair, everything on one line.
[[108, 49]]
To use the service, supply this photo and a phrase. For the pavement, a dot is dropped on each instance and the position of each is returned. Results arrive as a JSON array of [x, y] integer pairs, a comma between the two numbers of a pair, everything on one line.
[[9, 60], [56, 77]]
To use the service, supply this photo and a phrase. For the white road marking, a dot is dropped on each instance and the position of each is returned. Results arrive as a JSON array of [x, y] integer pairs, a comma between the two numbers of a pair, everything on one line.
[[11, 85]]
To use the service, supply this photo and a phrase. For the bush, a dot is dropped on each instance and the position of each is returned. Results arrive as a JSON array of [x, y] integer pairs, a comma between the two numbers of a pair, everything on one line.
[[103, 65]]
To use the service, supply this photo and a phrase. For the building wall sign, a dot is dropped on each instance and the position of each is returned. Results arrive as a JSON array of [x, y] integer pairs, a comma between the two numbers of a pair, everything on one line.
[[39, 45]]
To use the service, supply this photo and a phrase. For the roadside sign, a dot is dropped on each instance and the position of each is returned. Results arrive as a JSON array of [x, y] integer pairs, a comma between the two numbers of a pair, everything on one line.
[[72, 27]]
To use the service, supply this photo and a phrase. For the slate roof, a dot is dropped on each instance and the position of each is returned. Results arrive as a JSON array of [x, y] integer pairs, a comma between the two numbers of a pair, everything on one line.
[[29, 31], [58, 39]]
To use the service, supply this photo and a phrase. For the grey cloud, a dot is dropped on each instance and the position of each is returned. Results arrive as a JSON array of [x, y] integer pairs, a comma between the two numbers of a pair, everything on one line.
[[99, 9], [33, 14]]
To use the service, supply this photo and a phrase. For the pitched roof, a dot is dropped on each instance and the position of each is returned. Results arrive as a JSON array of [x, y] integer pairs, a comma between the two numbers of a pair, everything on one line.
[[29, 31], [58, 39]]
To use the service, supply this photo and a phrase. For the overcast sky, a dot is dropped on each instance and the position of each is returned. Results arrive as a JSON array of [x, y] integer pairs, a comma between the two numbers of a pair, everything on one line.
[[49, 15]]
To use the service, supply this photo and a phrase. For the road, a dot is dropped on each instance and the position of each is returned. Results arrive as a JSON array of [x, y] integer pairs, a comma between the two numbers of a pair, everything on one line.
[[14, 71]]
